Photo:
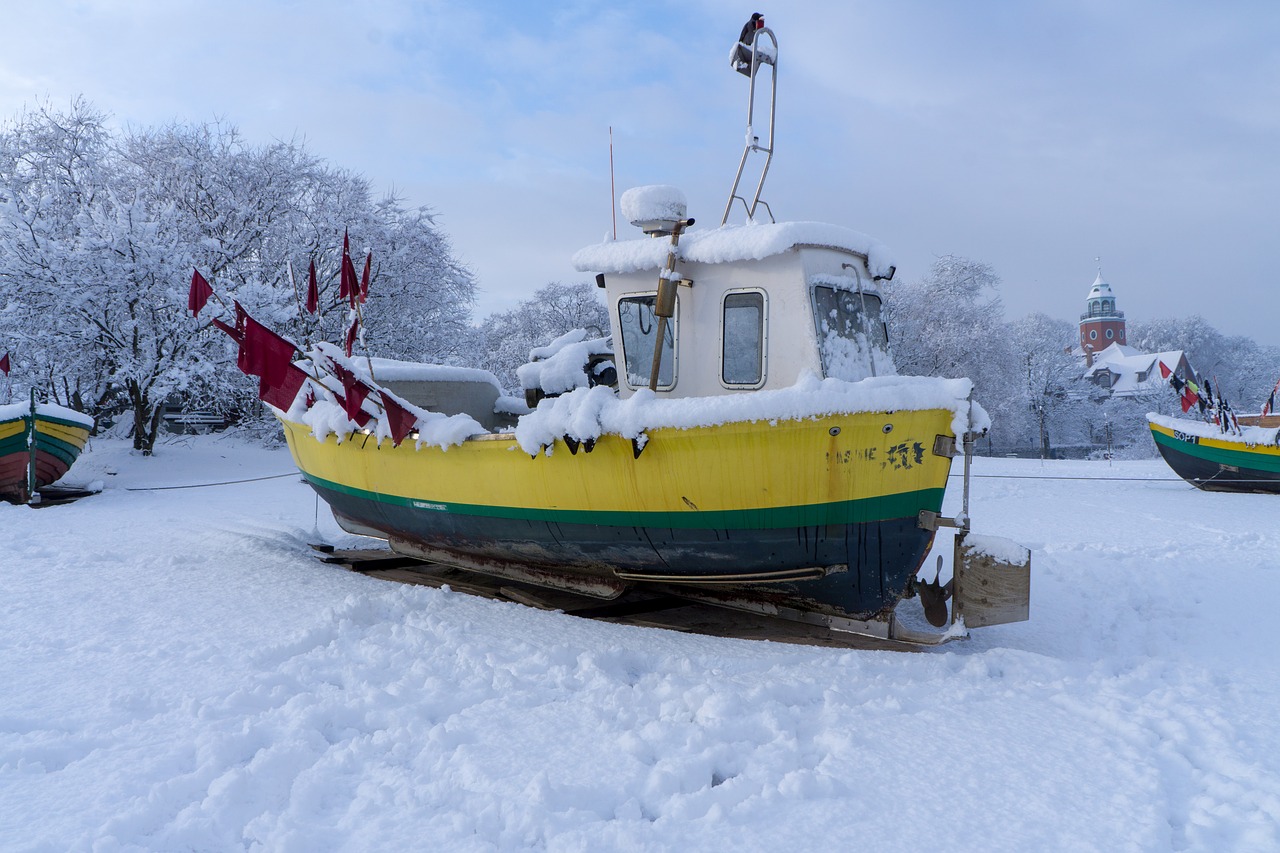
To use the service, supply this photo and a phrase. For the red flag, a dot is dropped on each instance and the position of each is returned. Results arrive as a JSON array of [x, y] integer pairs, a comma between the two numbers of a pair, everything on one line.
[[199, 293], [265, 354], [4, 364], [1189, 398], [364, 279], [355, 391], [1164, 371], [230, 330], [400, 419], [283, 394], [351, 335], [313, 292], [349, 278], [348, 287]]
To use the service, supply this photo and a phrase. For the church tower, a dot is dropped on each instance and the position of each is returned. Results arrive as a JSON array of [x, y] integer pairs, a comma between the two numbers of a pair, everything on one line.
[[1101, 325]]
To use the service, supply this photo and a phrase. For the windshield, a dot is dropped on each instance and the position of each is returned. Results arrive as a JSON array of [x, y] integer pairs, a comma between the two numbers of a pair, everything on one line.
[[851, 334], [639, 325]]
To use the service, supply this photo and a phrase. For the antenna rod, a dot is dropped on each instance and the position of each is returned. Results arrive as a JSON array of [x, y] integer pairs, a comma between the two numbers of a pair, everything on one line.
[[613, 201]]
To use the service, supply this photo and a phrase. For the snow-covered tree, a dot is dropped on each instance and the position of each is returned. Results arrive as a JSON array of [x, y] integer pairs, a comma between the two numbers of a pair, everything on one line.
[[99, 234], [950, 323], [506, 338], [1051, 406]]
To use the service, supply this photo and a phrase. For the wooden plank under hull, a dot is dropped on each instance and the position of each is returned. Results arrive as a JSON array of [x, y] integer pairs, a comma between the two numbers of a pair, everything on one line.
[[640, 607], [1219, 464]]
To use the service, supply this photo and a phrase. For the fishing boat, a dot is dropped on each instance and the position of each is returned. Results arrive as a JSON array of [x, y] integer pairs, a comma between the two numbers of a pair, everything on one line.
[[1209, 458], [38, 444], [742, 437]]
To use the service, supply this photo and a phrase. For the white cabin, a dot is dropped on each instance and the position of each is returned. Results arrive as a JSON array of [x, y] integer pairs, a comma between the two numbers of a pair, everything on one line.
[[757, 306]]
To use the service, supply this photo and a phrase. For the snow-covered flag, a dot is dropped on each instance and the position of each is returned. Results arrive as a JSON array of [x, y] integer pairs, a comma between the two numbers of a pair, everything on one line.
[[199, 293], [1266, 407], [313, 291], [351, 335], [354, 392], [400, 419], [1164, 371], [4, 364]]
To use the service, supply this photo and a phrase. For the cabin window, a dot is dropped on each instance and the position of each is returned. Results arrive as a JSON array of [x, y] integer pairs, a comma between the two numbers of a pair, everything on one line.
[[639, 325], [742, 340], [1111, 333], [851, 333]]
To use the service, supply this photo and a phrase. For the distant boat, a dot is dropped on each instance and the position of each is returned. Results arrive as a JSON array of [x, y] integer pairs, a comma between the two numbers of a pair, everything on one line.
[[38, 443], [1210, 459]]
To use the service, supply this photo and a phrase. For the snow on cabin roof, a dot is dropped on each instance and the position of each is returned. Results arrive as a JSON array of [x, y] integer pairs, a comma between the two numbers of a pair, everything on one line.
[[392, 370], [730, 243]]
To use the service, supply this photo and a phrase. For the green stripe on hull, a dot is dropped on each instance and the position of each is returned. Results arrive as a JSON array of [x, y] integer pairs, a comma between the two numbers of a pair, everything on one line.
[[905, 505], [1222, 456], [57, 447]]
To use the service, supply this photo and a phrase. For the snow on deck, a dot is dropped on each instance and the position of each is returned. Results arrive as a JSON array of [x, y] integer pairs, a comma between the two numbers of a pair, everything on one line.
[[730, 243], [1250, 435], [588, 413], [11, 411]]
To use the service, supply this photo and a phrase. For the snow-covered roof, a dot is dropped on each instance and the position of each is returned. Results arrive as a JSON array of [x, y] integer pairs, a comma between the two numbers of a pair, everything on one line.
[[730, 243], [1100, 288], [1133, 371]]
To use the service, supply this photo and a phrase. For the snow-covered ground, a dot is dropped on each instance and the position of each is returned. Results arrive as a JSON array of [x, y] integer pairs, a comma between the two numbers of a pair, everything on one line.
[[180, 673]]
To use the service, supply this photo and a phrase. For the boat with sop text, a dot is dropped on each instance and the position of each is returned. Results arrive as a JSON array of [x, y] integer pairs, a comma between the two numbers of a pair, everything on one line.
[[740, 438]]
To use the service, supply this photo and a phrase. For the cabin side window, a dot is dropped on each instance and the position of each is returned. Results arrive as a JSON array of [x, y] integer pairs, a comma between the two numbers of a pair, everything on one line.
[[742, 336], [639, 325], [851, 333]]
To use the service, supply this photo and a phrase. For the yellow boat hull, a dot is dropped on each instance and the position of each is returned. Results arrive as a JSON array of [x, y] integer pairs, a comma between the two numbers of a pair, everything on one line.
[[819, 513]]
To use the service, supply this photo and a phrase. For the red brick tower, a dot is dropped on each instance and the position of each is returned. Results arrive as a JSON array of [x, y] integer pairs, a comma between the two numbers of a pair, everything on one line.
[[1101, 325]]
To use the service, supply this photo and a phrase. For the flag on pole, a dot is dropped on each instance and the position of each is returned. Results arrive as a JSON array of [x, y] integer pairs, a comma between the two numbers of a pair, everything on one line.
[[1270, 405], [265, 354], [351, 335], [348, 286], [354, 392], [1189, 398], [313, 292], [351, 285], [364, 279], [4, 364], [199, 293], [400, 419], [283, 394]]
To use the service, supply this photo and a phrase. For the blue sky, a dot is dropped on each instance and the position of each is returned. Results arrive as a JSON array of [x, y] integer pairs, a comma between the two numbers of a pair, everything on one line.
[[1034, 136]]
